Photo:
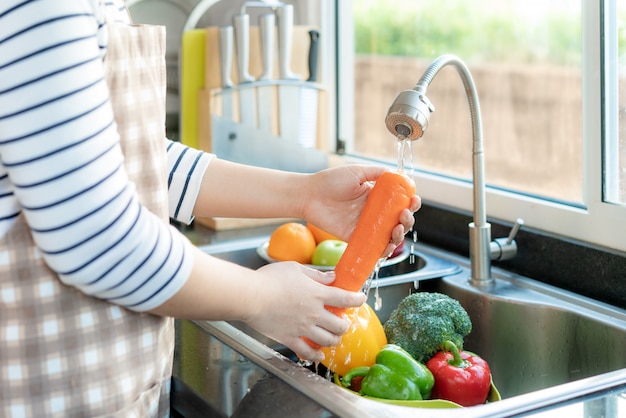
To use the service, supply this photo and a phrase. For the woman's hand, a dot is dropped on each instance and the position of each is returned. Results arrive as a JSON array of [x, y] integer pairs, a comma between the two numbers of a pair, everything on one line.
[[335, 198], [284, 301], [331, 199], [291, 300]]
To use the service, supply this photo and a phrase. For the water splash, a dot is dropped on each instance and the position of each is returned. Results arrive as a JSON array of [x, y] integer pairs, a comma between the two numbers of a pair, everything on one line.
[[402, 145], [378, 301], [373, 277], [304, 363], [405, 154], [372, 281], [412, 247]]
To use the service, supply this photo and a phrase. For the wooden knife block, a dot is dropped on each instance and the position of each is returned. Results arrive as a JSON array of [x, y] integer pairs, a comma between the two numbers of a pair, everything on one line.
[[208, 91]]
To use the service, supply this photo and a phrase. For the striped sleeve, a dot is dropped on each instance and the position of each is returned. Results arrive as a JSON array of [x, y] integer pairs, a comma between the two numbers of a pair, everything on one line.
[[61, 163], [186, 167]]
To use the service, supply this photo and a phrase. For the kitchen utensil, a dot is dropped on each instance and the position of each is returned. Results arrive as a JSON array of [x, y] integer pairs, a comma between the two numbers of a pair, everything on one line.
[[241, 23], [226, 60], [192, 69], [309, 97], [265, 93], [246, 144], [288, 90]]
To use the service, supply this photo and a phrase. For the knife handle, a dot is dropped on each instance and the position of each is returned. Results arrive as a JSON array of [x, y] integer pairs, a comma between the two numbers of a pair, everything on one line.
[[226, 55], [314, 36], [241, 23], [266, 35], [285, 36]]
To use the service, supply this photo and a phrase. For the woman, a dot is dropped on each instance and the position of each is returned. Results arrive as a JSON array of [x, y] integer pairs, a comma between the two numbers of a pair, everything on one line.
[[91, 273]]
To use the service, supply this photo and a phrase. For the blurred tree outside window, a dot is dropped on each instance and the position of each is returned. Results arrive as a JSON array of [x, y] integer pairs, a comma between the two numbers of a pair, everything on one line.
[[525, 57]]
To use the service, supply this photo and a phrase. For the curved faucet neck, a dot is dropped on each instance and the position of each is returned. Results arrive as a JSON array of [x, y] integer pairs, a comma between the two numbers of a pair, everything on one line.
[[479, 229]]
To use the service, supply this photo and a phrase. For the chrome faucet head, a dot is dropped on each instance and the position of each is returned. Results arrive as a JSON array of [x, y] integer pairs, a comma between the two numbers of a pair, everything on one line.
[[408, 115]]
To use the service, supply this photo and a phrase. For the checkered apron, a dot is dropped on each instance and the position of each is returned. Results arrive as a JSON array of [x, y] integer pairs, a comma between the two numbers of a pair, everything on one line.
[[66, 354]]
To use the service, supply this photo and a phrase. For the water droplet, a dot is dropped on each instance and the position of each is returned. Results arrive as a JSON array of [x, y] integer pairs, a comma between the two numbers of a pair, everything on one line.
[[305, 363], [378, 301]]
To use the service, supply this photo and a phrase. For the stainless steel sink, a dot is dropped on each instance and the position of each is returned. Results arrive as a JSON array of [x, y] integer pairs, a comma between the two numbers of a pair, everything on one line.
[[544, 345], [535, 337], [412, 267]]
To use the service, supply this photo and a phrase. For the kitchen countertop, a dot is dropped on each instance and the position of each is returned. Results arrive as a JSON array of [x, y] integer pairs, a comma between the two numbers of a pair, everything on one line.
[[201, 235]]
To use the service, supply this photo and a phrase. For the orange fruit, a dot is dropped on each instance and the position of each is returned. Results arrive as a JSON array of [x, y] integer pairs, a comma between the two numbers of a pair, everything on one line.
[[319, 234], [292, 241]]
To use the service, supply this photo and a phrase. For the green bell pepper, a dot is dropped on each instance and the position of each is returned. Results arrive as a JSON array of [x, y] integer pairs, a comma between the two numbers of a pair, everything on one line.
[[396, 375]]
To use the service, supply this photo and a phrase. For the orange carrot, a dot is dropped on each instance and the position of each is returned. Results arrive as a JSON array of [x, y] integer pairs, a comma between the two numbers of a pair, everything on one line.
[[391, 194]]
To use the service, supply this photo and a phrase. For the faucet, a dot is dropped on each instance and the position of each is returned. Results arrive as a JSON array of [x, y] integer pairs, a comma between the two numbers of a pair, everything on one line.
[[407, 118]]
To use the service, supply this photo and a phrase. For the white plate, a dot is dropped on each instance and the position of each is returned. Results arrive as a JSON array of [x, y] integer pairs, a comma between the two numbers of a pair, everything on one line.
[[262, 252]]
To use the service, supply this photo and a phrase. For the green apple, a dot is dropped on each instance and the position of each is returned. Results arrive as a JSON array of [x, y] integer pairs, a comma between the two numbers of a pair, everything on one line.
[[328, 252]]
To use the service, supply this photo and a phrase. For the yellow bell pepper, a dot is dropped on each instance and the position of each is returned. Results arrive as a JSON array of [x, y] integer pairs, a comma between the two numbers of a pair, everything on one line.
[[360, 345]]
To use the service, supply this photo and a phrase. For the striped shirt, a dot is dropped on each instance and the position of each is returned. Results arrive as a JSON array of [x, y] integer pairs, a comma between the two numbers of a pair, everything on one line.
[[61, 163]]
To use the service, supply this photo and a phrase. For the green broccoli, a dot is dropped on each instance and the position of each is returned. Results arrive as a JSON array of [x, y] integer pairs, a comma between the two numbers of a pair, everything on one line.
[[423, 321]]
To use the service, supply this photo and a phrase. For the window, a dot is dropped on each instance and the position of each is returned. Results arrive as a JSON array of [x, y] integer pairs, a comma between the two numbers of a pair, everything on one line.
[[615, 151], [547, 81]]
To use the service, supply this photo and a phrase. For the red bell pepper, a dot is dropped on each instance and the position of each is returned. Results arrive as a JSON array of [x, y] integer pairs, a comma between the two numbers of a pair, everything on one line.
[[459, 376]]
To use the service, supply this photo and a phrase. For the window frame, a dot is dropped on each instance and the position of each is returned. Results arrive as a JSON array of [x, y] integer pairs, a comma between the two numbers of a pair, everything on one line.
[[595, 222]]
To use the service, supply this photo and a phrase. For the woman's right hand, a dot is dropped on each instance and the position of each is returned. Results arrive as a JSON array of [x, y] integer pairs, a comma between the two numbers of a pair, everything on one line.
[[291, 300]]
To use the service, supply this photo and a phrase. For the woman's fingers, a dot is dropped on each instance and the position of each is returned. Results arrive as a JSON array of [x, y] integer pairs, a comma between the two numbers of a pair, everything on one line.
[[326, 333], [305, 293], [407, 221], [334, 296], [304, 350]]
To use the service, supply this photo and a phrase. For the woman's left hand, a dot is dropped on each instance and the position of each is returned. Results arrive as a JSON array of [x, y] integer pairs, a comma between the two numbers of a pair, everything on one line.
[[336, 197], [290, 301]]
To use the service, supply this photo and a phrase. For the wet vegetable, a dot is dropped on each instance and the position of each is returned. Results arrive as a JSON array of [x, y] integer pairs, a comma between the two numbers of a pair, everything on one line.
[[423, 321], [396, 375], [391, 194], [460, 376], [360, 345]]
